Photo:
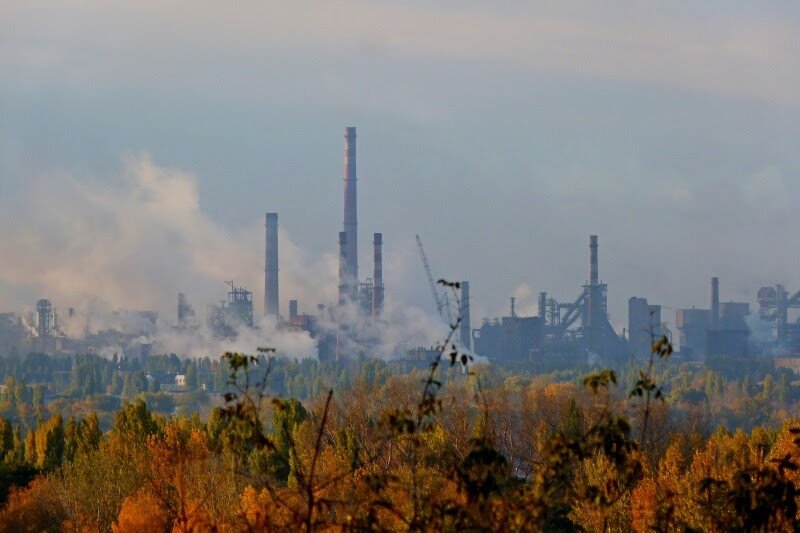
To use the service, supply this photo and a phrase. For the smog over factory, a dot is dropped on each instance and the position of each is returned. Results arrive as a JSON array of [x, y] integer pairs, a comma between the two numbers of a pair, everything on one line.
[[577, 214], [562, 333], [399, 266]]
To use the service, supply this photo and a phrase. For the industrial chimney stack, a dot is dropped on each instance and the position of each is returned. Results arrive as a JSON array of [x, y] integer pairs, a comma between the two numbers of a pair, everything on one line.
[[594, 304], [343, 277], [377, 276], [271, 300], [466, 333], [351, 211], [714, 302]]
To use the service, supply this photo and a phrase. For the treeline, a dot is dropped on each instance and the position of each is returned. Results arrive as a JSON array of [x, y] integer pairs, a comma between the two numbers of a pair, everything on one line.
[[38, 386], [441, 450]]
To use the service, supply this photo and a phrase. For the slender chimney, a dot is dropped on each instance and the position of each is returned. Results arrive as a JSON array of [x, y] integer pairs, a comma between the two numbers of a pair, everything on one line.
[[542, 305], [271, 301], [343, 278], [714, 302], [466, 333], [350, 207], [593, 300], [377, 276], [513, 307], [292, 309]]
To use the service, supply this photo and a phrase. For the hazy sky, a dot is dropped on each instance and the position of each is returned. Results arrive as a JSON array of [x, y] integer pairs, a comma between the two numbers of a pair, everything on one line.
[[137, 138]]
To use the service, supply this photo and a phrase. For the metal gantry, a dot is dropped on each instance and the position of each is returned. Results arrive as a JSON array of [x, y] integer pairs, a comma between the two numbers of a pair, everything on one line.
[[441, 300]]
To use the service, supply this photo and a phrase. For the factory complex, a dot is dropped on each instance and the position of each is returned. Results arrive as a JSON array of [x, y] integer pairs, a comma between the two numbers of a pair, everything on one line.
[[563, 334]]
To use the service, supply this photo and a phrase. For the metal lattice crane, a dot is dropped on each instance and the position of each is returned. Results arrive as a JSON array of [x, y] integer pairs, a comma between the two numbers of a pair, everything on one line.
[[442, 302]]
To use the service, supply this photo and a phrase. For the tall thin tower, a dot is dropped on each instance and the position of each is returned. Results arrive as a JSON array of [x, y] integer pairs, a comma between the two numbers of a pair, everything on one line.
[[377, 276], [271, 300], [350, 212], [594, 301]]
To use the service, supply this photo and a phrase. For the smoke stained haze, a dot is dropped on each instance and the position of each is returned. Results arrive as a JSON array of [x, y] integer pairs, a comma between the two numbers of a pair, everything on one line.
[[503, 134], [134, 241], [111, 247]]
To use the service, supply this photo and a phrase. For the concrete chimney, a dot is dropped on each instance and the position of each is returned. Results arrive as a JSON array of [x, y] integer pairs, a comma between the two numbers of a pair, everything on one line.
[[351, 207], [377, 276], [343, 277], [714, 302], [542, 305], [465, 330], [292, 309], [593, 304], [271, 300]]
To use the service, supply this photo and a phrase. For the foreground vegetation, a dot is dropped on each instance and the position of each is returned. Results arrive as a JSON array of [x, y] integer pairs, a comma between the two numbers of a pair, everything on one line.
[[457, 448]]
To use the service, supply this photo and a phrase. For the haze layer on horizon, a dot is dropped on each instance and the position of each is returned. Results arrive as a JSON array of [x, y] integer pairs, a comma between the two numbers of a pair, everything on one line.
[[502, 133]]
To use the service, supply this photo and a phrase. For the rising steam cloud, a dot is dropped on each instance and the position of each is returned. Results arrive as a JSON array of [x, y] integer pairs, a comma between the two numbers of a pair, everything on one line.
[[133, 241]]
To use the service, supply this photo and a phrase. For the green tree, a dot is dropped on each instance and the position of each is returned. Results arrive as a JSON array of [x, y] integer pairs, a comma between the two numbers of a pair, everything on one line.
[[766, 392], [134, 422], [37, 399], [31, 456], [116, 383], [6, 440], [287, 416], [50, 444], [191, 376], [783, 389]]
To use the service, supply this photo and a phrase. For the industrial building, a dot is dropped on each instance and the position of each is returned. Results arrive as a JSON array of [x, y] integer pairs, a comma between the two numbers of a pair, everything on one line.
[[719, 330], [563, 334], [442, 300], [644, 326], [351, 325], [775, 305], [228, 315]]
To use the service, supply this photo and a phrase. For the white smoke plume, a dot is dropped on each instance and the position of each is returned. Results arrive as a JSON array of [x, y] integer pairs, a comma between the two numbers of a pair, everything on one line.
[[134, 241], [110, 248]]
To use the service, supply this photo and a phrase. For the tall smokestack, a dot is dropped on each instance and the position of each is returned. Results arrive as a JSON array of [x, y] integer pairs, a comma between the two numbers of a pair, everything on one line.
[[714, 302], [466, 333], [377, 275], [542, 305], [593, 303], [292, 310], [271, 300], [351, 208], [343, 278], [593, 276]]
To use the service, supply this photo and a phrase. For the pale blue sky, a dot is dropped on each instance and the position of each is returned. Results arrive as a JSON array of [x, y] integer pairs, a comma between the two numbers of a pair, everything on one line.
[[503, 133]]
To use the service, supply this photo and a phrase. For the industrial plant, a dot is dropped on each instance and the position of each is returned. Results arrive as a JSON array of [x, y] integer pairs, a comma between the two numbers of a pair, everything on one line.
[[572, 332]]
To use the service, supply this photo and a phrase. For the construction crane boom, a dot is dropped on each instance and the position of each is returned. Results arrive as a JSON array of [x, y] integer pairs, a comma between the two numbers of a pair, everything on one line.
[[442, 305]]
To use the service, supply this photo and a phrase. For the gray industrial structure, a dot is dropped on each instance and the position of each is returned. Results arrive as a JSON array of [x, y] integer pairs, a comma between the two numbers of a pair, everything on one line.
[[271, 298], [442, 301], [465, 334], [644, 326], [350, 267], [774, 306], [237, 311], [719, 330], [561, 334], [366, 298], [46, 318], [185, 311], [377, 276]]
